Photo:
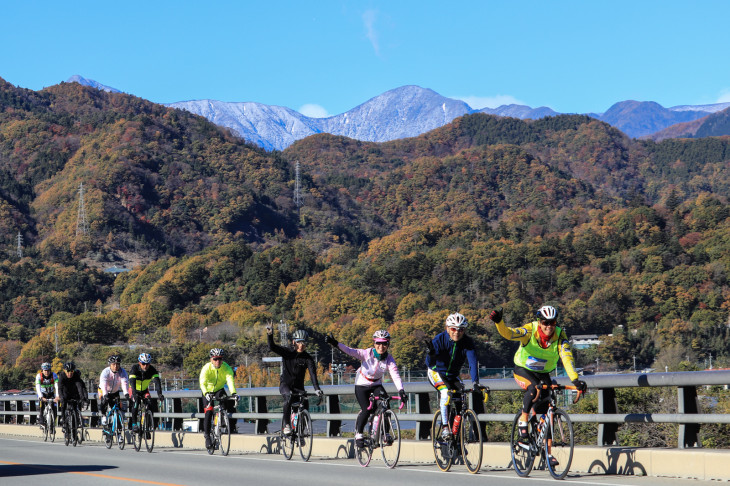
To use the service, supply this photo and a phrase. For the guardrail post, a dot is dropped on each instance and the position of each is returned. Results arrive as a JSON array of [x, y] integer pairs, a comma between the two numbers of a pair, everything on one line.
[[201, 409], [6, 406], [32, 408], [476, 399], [334, 427], [19, 408], [423, 405], [261, 408], [607, 404], [689, 434], [177, 423], [94, 408]]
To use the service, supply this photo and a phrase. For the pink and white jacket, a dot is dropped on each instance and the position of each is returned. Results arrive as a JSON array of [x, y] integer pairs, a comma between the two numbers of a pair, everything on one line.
[[371, 370], [110, 382]]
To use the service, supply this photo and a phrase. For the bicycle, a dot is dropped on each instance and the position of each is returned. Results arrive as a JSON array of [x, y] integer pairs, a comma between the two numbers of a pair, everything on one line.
[[551, 435], [73, 424], [146, 426], [301, 428], [113, 430], [49, 429], [221, 433], [382, 431], [466, 438]]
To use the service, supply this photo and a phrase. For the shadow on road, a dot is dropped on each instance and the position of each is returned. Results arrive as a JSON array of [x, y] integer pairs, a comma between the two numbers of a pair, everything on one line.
[[620, 462], [18, 470]]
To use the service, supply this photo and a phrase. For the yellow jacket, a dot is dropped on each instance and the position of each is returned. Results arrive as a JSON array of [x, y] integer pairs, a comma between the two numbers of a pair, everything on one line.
[[213, 379]]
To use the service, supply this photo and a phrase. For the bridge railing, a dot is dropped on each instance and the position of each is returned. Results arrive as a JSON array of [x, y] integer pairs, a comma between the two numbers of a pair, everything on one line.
[[19, 408]]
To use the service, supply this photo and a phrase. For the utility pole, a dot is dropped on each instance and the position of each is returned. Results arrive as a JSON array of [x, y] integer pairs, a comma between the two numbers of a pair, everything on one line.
[[82, 225], [634, 363], [20, 245]]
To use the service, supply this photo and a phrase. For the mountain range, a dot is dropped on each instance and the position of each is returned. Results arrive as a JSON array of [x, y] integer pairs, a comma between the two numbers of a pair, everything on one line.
[[409, 111]]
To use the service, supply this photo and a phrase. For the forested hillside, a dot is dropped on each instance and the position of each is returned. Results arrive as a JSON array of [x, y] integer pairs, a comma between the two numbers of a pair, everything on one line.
[[628, 238]]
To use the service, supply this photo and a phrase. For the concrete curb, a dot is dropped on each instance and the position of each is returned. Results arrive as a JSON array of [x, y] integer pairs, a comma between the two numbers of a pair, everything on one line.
[[702, 464]]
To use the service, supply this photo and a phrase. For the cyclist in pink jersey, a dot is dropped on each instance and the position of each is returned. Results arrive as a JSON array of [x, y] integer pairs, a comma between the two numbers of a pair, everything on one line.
[[374, 362]]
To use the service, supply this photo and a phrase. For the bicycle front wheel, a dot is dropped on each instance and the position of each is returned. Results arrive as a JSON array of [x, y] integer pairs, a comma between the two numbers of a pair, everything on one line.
[[224, 439], [67, 422], [46, 427], [470, 434], [51, 425], [137, 436], [443, 449], [523, 457], [559, 444], [365, 453], [148, 429], [119, 429], [80, 427], [389, 438], [304, 435], [74, 429]]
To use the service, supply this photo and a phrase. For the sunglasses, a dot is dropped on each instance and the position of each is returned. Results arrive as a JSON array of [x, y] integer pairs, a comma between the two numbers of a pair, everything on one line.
[[457, 329], [217, 359], [382, 344], [548, 323]]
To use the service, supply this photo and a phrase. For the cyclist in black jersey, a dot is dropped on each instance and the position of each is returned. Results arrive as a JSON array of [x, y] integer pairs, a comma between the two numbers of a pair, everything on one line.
[[140, 377], [71, 387], [296, 362]]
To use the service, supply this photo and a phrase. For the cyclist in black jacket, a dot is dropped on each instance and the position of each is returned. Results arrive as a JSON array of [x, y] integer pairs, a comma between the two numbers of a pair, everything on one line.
[[296, 362], [71, 387], [140, 377]]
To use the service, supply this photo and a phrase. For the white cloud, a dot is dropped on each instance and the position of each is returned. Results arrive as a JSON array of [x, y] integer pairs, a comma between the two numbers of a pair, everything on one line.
[[313, 111], [724, 96], [368, 19], [479, 102]]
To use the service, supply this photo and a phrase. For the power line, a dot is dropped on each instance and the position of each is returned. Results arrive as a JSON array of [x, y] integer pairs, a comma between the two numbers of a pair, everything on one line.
[[82, 225]]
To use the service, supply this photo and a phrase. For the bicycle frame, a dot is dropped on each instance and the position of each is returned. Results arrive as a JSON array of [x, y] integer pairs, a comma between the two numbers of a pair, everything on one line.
[[382, 403]]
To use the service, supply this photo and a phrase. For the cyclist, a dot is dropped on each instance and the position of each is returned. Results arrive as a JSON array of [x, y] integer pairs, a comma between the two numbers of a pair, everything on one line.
[[71, 387], [296, 362], [140, 376], [213, 377], [374, 362], [46, 388], [447, 353], [541, 344], [113, 381]]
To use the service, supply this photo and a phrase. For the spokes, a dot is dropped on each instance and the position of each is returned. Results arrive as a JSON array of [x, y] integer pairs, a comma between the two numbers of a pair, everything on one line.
[[471, 441], [559, 444], [390, 438]]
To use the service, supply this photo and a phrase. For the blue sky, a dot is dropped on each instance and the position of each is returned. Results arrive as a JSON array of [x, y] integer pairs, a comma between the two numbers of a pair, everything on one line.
[[326, 57]]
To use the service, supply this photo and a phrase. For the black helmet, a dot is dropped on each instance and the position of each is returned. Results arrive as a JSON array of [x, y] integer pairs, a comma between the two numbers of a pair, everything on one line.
[[69, 366], [114, 359]]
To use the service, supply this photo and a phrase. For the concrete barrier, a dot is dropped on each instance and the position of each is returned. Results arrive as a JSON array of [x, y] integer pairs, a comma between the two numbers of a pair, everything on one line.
[[702, 464]]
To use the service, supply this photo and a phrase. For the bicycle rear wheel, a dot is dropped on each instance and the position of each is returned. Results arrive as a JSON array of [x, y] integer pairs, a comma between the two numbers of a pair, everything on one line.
[[286, 442], [471, 441], [389, 438], [148, 429], [137, 436], [224, 439], [561, 445], [364, 454], [443, 449], [304, 435], [523, 458]]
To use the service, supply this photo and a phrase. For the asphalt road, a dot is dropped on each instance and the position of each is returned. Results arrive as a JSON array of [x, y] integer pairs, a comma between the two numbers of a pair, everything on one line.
[[33, 462]]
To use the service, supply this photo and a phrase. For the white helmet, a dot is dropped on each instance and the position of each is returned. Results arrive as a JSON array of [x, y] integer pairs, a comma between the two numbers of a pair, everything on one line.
[[381, 336], [547, 312], [456, 320]]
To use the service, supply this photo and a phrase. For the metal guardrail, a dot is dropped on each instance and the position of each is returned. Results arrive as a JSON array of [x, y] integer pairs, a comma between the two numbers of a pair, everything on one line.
[[608, 418]]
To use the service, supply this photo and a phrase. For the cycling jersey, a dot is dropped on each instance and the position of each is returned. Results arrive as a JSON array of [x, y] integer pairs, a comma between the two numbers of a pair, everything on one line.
[[46, 386], [295, 366], [372, 369], [213, 379], [450, 356], [110, 382], [139, 379], [534, 357], [71, 388]]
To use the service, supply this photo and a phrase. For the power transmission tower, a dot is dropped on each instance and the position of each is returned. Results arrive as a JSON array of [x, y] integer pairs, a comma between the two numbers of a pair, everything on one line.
[[82, 225], [20, 245], [297, 188], [283, 332]]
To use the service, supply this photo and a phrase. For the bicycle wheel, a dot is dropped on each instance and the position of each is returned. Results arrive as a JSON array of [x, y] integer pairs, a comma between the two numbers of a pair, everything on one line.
[[74, 429], [470, 435], [224, 437], [364, 454], [119, 429], [80, 426], [389, 438], [561, 445], [45, 428], [67, 428], [443, 449], [286, 442], [523, 457], [148, 429], [51, 425], [304, 435], [137, 436]]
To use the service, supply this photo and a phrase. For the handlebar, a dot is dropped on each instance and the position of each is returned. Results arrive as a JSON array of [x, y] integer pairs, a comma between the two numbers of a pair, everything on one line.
[[555, 386], [374, 398]]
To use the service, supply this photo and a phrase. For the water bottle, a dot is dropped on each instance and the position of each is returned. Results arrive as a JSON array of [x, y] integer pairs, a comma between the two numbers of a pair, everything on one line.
[[457, 422], [376, 422], [294, 418]]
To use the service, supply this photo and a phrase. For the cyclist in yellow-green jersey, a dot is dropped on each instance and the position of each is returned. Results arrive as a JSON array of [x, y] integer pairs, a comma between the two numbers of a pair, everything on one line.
[[213, 377]]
